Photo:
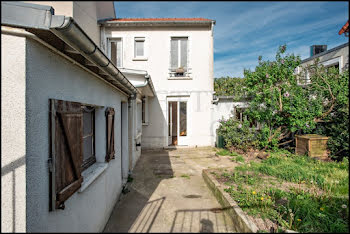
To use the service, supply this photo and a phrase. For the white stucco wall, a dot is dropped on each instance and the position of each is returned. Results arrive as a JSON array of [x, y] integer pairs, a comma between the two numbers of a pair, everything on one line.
[[51, 76], [224, 109], [199, 89], [13, 134]]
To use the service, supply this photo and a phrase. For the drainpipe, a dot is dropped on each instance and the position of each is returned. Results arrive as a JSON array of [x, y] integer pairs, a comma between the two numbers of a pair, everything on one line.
[[144, 84]]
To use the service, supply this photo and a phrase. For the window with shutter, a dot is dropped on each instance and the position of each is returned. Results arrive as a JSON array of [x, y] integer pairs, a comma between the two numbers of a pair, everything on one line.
[[66, 151], [110, 133], [89, 157], [179, 55]]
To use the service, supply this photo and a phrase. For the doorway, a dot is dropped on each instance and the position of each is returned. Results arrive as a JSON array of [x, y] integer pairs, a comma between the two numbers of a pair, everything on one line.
[[177, 122]]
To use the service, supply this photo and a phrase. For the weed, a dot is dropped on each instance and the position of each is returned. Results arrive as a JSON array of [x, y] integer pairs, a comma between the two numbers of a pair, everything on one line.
[[223, 152], [185, 176], [294, 208]]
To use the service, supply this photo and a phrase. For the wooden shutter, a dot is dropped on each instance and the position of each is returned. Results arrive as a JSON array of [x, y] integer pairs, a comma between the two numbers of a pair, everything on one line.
[[110, 133], [66, 151]]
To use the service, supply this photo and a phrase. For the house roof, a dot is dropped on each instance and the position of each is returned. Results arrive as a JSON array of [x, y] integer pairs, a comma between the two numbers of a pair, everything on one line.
[[158, 20], [325, 52], [344, 29]]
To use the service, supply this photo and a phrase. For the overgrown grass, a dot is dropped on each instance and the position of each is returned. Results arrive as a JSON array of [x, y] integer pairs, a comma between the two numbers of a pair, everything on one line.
[[321, 207]]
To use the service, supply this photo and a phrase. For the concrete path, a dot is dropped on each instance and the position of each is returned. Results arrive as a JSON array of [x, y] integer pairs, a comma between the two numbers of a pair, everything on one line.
[[168, 194]]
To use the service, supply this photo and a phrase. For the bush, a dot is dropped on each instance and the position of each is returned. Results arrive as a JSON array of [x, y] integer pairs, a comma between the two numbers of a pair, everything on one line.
[[238, 135]]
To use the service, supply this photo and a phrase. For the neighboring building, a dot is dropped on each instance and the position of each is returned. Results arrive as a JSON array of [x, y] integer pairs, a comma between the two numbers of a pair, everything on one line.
[[69, 119], [337, 57], [178, 54]]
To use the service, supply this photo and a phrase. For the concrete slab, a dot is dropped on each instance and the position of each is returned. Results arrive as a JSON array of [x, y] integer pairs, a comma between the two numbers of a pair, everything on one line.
[[168, 194]]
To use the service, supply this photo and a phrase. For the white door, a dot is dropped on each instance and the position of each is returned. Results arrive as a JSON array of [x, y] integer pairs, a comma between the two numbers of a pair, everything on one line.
[[178, 121]]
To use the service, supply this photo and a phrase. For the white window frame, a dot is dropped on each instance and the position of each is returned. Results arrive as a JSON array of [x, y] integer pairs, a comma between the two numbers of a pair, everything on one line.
[[109, 40], [145, 52], [334, 61], [188, 72]]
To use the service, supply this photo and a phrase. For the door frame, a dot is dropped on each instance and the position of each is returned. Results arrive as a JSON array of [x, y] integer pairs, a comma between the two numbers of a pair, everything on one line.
[[182, 140]]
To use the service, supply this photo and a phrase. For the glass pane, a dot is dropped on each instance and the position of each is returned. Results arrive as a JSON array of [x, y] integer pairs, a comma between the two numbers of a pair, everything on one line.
[[184, 52], [183, 119], [139, 48], [87, 148], [114, 52], [174, 54], [119, 53], [87, 122]]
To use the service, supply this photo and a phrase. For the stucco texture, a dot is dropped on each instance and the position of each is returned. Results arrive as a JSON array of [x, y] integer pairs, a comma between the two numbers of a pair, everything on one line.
[[51, 76], [13, 134]]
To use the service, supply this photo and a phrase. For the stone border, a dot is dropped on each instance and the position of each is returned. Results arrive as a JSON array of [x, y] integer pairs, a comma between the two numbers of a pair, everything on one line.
[[239, 219]]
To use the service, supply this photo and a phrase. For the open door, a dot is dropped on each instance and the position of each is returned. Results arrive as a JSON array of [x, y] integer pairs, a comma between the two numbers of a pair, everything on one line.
[[177, 122]]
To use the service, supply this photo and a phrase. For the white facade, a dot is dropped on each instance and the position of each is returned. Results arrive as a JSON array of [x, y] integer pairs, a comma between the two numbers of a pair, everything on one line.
[[196, 88]]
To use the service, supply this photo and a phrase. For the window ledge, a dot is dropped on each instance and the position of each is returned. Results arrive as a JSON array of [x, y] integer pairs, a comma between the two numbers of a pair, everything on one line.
[[139, 59], [91, 174], [180, 78]]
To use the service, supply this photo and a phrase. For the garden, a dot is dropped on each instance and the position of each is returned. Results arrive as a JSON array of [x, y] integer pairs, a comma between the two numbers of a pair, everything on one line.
[[272, 183]]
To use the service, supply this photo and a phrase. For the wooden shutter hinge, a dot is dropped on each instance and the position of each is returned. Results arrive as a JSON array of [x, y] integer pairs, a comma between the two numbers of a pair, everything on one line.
[[49, 161]]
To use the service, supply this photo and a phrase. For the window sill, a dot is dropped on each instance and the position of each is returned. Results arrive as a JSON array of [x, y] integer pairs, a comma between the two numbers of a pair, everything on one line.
[[91, 174], [180, 78], [139, 59]]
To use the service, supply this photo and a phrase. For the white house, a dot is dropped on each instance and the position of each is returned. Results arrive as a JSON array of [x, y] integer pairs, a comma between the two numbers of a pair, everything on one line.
[[177, 53], [70, 130]]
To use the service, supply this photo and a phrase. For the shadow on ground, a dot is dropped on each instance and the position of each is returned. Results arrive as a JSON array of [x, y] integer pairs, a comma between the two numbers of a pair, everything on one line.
[[168, 194]]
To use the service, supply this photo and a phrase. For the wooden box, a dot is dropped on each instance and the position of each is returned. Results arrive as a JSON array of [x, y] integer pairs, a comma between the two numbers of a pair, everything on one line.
[[311, 144]]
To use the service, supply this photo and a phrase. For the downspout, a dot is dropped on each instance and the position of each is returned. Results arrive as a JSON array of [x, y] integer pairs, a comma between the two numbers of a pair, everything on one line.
[[70, 32], [148, 81]]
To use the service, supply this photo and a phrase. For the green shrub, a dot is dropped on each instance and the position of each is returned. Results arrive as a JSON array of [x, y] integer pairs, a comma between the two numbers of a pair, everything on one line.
[[237, 134]]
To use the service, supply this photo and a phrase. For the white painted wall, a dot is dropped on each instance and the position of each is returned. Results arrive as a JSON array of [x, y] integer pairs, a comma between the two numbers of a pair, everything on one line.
[[199, 88], [40, 75], [224, 109], [13, 134]]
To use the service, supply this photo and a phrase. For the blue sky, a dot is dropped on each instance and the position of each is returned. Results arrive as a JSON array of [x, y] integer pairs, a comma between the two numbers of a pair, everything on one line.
[[245, 30]]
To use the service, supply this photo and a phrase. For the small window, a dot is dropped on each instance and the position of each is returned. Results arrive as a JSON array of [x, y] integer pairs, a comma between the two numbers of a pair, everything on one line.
[[139, 47], [89, 157], [115, 51], [144, 110]]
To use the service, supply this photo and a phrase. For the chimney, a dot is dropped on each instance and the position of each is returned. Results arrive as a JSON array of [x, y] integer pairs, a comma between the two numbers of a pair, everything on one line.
[[316, 49]]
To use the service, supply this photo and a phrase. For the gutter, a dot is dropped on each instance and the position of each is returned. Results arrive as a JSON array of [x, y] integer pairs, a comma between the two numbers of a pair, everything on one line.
[[33, 16], [70, 32]]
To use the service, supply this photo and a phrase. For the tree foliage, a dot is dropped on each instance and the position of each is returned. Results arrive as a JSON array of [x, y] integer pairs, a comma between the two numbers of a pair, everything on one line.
[[285, 107], [229, 86]]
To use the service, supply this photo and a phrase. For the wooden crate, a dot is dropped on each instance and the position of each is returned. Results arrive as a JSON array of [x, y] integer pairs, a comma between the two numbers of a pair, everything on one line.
[[311, 144]]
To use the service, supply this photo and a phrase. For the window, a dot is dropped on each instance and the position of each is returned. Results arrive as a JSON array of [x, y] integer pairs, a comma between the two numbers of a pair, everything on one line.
[[89, 157], [179, 56], [144, 110], [139, 47], [72, 147], [115, 51]]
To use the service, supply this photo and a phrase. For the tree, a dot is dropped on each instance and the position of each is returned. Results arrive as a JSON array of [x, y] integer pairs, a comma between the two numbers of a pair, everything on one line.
[[285, 107]]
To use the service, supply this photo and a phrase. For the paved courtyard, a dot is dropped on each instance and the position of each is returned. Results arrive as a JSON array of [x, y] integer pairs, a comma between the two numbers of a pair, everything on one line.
[[168, 194]]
